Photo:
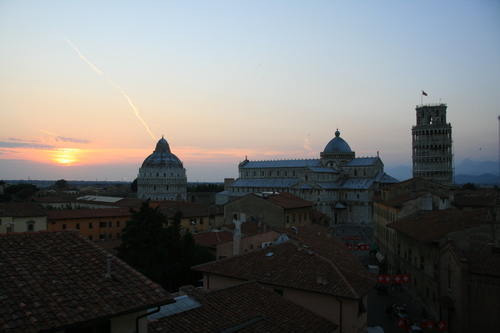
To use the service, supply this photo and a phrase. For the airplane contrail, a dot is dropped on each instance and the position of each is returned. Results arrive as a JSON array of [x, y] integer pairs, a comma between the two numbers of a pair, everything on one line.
[[136, 111]]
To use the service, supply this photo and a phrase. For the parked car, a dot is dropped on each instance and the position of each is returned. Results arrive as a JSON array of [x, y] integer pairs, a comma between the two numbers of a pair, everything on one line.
[[400, 311]]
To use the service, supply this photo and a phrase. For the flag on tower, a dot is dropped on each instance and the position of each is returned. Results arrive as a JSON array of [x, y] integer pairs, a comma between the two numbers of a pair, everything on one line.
[[424, 93]]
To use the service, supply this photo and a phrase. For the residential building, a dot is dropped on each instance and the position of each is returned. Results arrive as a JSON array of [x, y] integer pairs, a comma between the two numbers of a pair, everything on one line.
[[432, 151], [61, 282], [22, 216], [469, 298], [162, 175], [93, 224], [339, 184], [279, 210], [246, 307], [400, 200], [420, 239], [313, 269]]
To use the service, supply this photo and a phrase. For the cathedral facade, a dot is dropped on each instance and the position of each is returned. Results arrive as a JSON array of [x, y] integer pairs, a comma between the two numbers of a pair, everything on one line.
[[340, 184], [162, 175]]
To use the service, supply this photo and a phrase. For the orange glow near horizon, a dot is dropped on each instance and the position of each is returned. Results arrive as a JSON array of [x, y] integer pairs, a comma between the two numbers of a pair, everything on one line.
[[66, 156]]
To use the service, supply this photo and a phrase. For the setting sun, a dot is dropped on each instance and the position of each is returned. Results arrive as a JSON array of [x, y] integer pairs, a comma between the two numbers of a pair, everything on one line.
[[66, 156]]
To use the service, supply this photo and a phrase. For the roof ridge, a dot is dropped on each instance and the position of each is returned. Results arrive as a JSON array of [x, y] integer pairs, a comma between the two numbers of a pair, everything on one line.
[[351, 288]]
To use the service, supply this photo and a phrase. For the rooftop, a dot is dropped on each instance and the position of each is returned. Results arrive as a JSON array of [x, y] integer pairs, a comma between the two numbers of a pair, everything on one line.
[[295, 266], [246, 307], [55, 280], [430, 226]]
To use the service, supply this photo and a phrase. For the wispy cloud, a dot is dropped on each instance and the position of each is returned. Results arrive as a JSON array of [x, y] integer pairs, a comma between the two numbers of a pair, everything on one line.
[[136, 111], [307, 143], [63, 139], [28, 145]]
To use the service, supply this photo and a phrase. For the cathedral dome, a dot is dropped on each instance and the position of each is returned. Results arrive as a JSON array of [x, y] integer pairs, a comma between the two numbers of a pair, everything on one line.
[[162, 157], [337, 145]]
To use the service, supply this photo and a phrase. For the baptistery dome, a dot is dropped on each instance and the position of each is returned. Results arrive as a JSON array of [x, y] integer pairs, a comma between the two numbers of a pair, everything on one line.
[[337, 145], [162, 157], [162, 175]]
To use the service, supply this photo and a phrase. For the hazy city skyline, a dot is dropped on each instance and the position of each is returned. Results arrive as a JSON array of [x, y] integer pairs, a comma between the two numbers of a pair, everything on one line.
[[88, 88]]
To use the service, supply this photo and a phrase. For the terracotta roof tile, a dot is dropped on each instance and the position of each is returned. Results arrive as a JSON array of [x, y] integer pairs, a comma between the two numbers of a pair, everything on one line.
[[247, 307], [289, 200], [211, 239], [298, 267], [52, 279], [430, 226], [19, 209], [86, 213]]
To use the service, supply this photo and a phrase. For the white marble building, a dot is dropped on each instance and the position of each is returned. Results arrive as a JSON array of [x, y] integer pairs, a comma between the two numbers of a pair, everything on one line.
[[162, 175], [338, 183]]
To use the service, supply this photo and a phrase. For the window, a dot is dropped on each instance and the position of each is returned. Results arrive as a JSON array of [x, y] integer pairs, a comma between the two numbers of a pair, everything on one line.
[[110, 224], [102, 236], [30, 225], [90, 225], [90, 237], [110, 236], [436, 270], [64, 226], [422, 263], [398, 249], [102, 224], [278, 291], [117, 224], [78, 226]]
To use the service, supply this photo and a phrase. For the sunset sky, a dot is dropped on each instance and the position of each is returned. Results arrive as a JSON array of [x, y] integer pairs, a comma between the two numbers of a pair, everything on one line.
[[87, 88]]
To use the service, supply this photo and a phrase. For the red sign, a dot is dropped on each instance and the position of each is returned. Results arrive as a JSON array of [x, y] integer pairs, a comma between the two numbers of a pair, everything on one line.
[[441, 325], [398, 279], [356, 238], [384, 278], [356, 247], [349, 246], [428, 324], [405, 278], [342, 237], [401, 322]]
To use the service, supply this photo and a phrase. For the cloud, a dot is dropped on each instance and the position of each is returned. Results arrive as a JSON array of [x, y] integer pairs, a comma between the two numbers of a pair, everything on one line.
[[29, 145], [62, 138], [307, 144]]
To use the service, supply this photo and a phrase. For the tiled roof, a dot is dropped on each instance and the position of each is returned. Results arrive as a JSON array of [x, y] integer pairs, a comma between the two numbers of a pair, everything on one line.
[[265, 183], [211, 239], [244, 308], [282, 164], [322, 241], [399, 200], [484, 262], [289, 200], [294, 266], [429, 226], [323, 170], [21, 209], [363, 161], [63, 214], [52, 280], [60, 198]]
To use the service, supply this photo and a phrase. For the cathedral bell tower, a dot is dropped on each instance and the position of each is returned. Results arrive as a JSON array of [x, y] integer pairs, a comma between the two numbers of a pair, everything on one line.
[[432, 152]]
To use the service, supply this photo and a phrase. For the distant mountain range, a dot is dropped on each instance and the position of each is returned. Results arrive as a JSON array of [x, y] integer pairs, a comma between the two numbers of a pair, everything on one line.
[[468, 171]]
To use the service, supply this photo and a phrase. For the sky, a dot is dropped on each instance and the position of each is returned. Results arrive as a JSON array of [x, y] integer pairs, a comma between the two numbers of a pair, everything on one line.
[[87, 88]]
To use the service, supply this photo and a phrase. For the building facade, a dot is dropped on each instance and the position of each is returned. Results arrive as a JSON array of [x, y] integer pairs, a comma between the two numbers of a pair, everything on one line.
[[340, 184], [162, 175], [432, 152]]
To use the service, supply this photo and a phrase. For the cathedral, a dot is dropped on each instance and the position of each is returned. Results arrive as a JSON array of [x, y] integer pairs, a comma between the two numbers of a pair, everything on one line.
[[340, 184], [162, 175]]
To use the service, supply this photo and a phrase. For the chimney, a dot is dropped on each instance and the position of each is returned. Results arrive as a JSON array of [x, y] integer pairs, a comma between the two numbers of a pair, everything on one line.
[[108, 271]]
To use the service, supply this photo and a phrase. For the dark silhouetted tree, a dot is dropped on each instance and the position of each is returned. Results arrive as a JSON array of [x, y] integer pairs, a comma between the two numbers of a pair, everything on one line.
[[159, 251], [133, 186], [61, 184], [469, 187]]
